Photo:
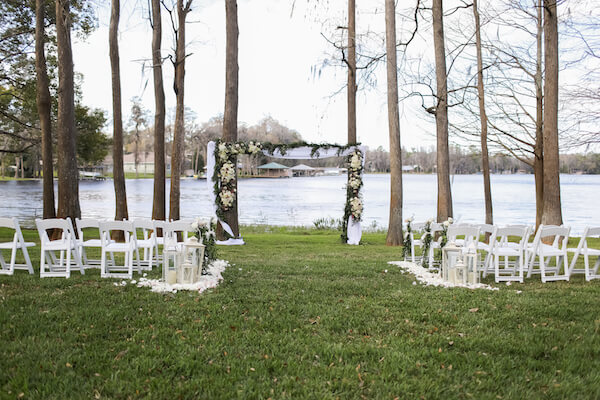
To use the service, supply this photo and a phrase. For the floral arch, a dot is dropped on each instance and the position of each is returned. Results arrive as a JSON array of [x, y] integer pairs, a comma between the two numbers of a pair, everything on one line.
[[221, 176]]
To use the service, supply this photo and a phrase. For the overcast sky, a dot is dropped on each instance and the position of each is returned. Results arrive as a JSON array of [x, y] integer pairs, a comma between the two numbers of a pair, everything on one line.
[[279, 50]]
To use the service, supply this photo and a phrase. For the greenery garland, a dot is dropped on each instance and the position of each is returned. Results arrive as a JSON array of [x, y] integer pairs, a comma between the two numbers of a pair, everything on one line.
[[426, 238], [225, 176], [205, 233], [407, 246]]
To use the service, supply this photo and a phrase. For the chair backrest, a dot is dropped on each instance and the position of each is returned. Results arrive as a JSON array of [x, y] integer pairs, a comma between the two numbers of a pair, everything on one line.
[[470, 233], [7, 223], [436, 227], [593, 231], [159, 226], [12, 223], [500, 237], [146, 226], [175, 227], [485, 228], [107, 227], [64, 225], [83, 223], [556, 232]]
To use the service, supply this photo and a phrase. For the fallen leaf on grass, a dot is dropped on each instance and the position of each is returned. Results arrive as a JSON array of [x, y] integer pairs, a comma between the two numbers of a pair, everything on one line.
[[474, 309], [120, 355]]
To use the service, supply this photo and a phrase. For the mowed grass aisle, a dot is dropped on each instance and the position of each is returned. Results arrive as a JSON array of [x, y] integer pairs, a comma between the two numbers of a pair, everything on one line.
[[298, 316]]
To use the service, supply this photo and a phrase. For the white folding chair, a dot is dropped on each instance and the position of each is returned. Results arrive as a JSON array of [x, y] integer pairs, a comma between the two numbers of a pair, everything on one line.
[[418, 227], [501, 246], [148, 243], [544, 253], [487, 230], [66, 247], [176, 230], [17, 243], [84, 244], [127, 247], [435, 244], [584, 249]]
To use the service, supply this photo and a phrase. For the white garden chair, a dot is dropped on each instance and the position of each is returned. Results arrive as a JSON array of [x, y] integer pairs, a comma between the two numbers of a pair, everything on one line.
[[147, 244], [488, 231], [415, 242], [559, 236], [435, 244], [66, 247], [586, 251], [17, 243], [501, 246], [84, 244], [175, 230], [128, 247]]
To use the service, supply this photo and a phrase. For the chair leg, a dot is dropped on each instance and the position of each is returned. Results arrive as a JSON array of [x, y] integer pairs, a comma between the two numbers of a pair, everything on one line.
[[68, 265], [496, 268], [27, 260], [13, 259], [42, 262], [103, 264], [542, 267]]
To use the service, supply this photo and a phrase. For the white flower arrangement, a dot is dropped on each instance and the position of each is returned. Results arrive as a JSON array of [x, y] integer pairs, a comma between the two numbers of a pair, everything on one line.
[[227, 198], [357, 207], [354, 183], [205, 233], [254, 148], [356, 161], [227, 172]]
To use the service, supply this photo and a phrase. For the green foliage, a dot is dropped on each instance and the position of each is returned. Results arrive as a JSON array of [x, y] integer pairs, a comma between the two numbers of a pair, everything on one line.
[[298, 315], [328, 224], [92, 144]]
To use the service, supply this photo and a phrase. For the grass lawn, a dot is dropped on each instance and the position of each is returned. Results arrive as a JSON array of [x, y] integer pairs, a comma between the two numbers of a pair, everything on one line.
[[299, 315]]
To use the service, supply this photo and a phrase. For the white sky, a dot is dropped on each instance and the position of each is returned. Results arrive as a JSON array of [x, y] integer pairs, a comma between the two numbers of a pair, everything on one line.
[[278, 50]]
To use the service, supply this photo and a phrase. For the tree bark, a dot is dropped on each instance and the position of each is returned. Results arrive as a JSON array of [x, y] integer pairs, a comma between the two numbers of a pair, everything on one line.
[[444, 201], [394, 233], [538, 150], [351, 72], [179, 132], [158, 203], [231, 102], [485, 161], [118, 172], [552, 206], [44, 107], [68, 175]]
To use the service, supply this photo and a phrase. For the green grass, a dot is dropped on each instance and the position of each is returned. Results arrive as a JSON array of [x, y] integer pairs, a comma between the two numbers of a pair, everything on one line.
[[298, 315]]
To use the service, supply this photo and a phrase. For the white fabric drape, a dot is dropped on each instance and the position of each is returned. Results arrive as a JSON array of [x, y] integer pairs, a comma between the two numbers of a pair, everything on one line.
[[299, 153]]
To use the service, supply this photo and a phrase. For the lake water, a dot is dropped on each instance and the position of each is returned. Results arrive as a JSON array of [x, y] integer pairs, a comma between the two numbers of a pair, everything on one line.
[[300, 201]]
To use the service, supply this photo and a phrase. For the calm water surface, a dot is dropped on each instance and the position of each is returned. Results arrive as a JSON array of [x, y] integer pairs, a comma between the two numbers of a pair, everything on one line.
[[300, 201]]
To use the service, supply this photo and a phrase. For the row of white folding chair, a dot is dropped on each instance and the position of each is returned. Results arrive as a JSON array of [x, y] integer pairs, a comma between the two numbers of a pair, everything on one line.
[[469, 233], [500, 246], [17, 243]]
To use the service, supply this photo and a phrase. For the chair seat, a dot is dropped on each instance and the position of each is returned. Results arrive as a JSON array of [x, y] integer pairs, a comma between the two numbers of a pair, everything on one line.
[[58, 245], [118, 247], [9, 245], [483, 246], [91, 243], [549, 251], [591, 252], [506, 252], [145, 243]]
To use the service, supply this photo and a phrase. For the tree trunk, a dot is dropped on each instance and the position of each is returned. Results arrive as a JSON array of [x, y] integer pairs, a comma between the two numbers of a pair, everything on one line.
[[394, 233], [178, 87], [158, 203], [444, 201], [485, 161], [118, 172], [552, 208], [231, 102], [68, 175], [351, 72], [538, 151], [16, 167], [44, 109]]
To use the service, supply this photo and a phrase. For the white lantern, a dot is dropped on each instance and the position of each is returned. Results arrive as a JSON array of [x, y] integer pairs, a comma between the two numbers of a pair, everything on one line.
[[193, 252], [171, 260], [185, 273], [471, 262], [450, 255]]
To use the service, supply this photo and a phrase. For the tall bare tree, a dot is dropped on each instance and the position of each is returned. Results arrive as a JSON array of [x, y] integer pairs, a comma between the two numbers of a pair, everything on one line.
[[394, 234], [444, 200], [68, 175], [538, 148], [158, 203], [351, 71], [485, 162], [44, 108], [230, 132], [118, 172], [178, 87], [552, 206]]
